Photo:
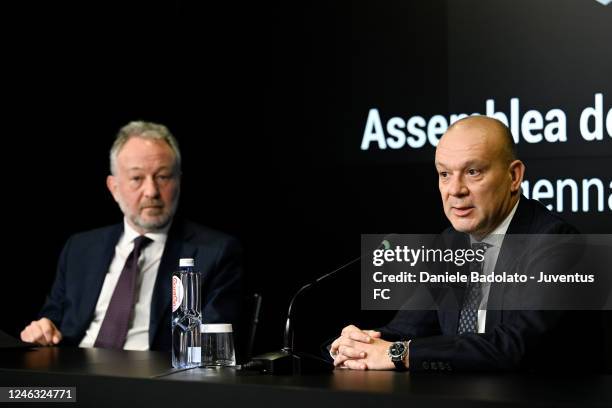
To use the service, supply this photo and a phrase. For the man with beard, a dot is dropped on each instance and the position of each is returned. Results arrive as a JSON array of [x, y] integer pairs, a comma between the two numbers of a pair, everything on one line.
[[96, 299]]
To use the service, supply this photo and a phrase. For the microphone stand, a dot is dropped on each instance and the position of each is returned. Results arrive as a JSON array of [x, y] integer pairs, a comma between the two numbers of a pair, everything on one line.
[[287, 360]]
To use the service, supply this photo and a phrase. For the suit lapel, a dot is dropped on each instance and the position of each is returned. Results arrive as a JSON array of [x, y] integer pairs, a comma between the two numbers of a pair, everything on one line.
[[507, 259], [449, 314], [104, 251]]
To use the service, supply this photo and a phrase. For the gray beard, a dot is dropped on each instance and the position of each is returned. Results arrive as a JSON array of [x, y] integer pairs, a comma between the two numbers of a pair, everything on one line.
[[151, 226]]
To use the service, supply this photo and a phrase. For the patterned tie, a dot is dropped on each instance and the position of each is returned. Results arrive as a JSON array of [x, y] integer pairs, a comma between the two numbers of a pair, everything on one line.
[[468, 317], [113, 331]]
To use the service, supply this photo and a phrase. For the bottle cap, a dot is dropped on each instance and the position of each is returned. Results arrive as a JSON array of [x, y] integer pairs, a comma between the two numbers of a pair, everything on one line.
[[183, 262]]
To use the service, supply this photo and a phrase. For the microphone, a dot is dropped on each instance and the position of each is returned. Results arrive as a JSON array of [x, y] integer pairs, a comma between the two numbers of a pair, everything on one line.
[[286, 360]]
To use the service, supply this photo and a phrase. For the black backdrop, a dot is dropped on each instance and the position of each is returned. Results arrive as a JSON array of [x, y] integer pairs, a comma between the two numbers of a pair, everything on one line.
[[269, 102]]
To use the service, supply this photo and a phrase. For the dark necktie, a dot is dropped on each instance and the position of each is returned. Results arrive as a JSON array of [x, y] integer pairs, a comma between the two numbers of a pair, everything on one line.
[[113, 331], [468, 317]]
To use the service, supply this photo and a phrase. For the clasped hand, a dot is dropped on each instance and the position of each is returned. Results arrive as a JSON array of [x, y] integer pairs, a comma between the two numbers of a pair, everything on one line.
[[358, 349]]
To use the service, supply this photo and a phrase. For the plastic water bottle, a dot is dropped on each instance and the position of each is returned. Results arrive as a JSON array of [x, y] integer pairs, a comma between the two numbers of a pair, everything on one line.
[[186, 316]]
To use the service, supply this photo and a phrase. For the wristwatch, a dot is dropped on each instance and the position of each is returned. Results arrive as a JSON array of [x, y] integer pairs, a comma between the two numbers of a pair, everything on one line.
[[397, 352]]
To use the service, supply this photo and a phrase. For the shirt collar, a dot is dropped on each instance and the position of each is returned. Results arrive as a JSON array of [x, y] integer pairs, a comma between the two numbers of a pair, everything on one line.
[[496, 237], [129, 233]]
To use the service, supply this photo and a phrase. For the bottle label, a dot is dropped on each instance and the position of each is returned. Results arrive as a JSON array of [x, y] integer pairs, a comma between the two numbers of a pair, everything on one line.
[[177, 293]]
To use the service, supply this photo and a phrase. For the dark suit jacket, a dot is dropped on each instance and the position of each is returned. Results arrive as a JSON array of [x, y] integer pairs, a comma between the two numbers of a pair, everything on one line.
[[86, 258], [513, 339]]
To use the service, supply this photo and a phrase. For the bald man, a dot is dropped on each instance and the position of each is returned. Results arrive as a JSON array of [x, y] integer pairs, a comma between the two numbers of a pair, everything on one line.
[[479, 178]]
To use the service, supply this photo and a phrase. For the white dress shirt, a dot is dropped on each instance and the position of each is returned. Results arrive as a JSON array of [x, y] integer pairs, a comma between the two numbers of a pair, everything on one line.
[[150, 257], [495, 239]]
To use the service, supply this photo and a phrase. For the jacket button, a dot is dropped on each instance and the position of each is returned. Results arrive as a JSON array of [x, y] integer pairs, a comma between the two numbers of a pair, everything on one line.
[[426, 365]]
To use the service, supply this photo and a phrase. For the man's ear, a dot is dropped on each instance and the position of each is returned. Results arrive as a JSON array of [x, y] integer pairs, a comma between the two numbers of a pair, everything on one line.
[[517, 172], [111, 184]]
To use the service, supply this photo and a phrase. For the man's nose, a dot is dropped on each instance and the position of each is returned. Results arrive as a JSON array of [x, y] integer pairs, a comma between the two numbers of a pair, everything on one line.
[[457, 187], [151, 189]]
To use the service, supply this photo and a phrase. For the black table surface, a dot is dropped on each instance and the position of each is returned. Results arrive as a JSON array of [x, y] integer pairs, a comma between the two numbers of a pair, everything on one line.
[[107, 378]]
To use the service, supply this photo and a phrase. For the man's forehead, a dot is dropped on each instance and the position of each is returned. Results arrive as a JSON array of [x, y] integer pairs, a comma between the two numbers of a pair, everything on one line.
[[145, 167], [462, 149], [143, 156], [146, 157], [467, 138], [141, 160], [145, 149]]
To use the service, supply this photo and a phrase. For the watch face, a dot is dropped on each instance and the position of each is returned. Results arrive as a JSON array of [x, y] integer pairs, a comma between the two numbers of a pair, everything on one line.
[[397, 349]]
